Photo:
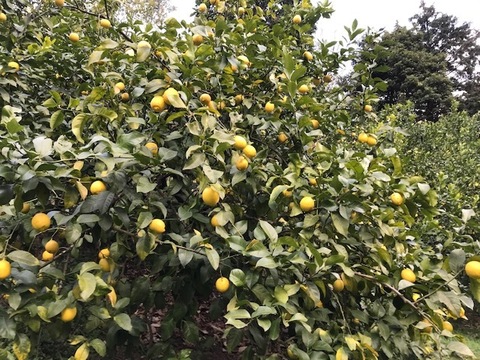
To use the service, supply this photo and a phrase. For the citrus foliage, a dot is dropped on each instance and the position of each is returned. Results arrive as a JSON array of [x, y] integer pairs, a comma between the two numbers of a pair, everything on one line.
[[145, 196]]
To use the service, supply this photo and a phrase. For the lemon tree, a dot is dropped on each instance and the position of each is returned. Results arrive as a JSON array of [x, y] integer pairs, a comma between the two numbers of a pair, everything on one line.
[[259, 203]]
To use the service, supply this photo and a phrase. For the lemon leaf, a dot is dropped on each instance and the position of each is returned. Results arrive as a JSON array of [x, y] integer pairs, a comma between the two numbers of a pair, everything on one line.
[[78, 123]]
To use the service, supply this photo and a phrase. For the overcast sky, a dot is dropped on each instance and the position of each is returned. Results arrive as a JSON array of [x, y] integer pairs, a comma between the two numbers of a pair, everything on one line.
[[372, 13]]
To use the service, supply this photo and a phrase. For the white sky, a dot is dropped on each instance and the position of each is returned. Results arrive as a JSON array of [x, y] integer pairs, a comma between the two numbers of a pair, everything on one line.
[[371, 13]]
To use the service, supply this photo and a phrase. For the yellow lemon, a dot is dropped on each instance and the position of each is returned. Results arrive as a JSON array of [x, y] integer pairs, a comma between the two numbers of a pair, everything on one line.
[[97, 187], [74, 37], [472, 269], [68, 314], [120, 86], [241, 164], [104, 265], [5, 269], [205, 98], [104, 253], [46, 256], [368, 108], [315, 123], [307, 204], [3, 17], [125, 97], [372, 141], [152, 147], [41, 222], [240, 142], [157, 104], [396, 199], [238, 99], [222, 284], [25, 207], [157, 226], [249, 151], [169, 92], [297, 19], [214, 221], [447, 325], [14, 65], [338, 285], [59, 3], [197, 39], [105, 23], [52, 246], [308, 55], [282, 137], [303, 89], [363, 137], [202, 8], [409, 275], [210, 196], [269, 107]]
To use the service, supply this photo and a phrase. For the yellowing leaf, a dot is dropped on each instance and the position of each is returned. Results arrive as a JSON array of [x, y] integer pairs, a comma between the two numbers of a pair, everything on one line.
[[82, 190], [82, 352], [78, 123], [341, 354], [21, 347]]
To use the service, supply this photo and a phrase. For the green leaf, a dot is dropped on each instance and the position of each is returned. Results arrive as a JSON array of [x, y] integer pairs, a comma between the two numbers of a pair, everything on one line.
[[99, 346], [341, 224], [266, 262], [23, 257], [213, 257], [460, 349], [184, 257], [56, 119], [124, 321], [237, 277], [78, 124], [7, 326], [456, 260], [190, 332], [87, 284], [143, 52], [269, 230], [234, 338], [281, 295], [475, 288]]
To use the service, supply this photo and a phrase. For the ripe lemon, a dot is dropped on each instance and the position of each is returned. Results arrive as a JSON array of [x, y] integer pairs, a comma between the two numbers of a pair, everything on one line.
[[308, 55], [205, 98], [125, 97], [238, 99], [327, 78], [197, 39], [52, 246], [157, 226], [249, 151], [104, 253], [74, 37], [212, 106], [68, 314], [447, 325], [152, 147], [202, 8], [241, 164], [312, 181], [472, 269], [368, 108], [396, 198], [338, 285], [210, 196], [315, 123], [409, 275], [363, 137], [241, 11], [46, 256], [25, 207], [372, 141], [97, 187], [240, 142], [41, 222], [287, 193], [282, 137], [222, 284], [59, 3], [214, 221], [14, 65], [303, 89], [167, 93], [269, 107], [416, 296], [157, 104], [307, 204], [120, 86], [297, 19], [104, 265], [144, 44], [5, 269], [3, 17], [105, 23]]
